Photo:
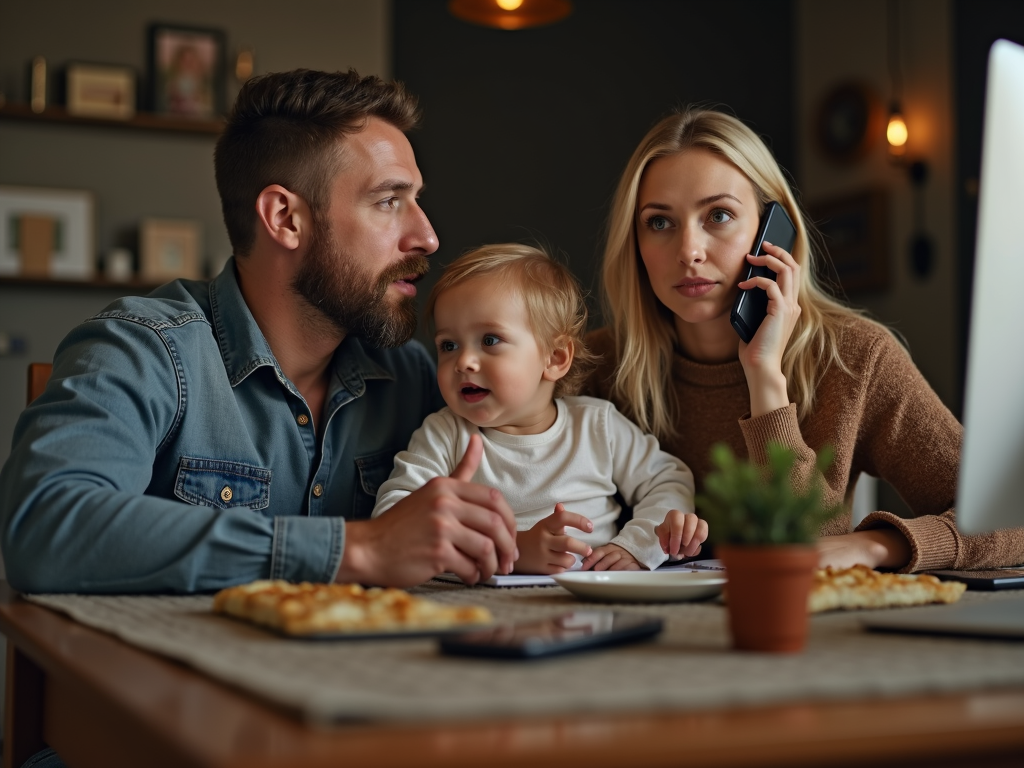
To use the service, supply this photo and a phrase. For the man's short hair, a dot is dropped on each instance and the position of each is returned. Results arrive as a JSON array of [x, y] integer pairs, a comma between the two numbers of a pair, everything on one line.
[[555, 306], [284, 129]]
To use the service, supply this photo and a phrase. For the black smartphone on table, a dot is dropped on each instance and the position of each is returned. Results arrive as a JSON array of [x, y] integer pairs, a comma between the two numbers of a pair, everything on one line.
[[751, 306], [555, 635]]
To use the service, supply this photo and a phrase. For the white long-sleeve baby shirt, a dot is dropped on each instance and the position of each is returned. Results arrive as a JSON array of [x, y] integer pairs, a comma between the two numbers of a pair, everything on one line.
[[589, 453]]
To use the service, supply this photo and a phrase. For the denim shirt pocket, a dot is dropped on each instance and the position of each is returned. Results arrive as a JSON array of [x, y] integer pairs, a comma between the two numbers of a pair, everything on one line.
[[224, 484], [373, 471]]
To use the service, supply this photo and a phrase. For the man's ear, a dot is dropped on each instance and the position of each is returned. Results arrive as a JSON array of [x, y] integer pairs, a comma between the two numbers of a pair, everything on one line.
[[559, 359], [283, 216]]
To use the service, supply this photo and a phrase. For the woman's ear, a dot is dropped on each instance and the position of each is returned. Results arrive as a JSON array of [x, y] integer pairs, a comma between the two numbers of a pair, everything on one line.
[[559, 359], [283, 217]]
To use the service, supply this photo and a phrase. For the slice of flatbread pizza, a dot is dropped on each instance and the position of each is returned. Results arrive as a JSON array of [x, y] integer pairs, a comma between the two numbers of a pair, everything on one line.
[[862, 587], [328, 609]]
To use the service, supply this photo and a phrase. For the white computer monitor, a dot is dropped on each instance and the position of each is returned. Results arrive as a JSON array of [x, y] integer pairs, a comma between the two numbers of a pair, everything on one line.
[[990, 494]]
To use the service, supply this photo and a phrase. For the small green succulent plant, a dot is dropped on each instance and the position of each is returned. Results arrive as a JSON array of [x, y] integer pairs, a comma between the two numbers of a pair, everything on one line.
[[750, 505]]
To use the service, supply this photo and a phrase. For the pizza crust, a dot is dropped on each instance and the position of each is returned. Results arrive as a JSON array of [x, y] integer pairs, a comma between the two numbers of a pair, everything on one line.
[[316, 609], [862, 587]]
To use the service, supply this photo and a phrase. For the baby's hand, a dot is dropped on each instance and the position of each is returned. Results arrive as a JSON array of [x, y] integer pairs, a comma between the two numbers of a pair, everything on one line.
[[611, 557], [546, 548], [681, 534]]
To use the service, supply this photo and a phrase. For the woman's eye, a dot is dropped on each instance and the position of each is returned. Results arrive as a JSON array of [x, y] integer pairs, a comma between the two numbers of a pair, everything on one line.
[[491, 340], [446, 346], [657, 223], [718, 216]]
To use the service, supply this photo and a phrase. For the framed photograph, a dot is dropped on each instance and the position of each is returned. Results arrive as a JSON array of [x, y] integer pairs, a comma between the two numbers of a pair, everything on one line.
[[186, 71], [169, 249], [47, 233], [856, 233], [100, 90]]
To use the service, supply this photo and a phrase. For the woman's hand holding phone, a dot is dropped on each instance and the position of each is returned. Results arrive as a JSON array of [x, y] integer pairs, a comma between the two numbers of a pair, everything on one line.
[[762, 357]]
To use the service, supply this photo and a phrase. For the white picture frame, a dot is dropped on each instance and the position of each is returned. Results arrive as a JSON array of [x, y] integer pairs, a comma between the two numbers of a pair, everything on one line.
[[73, 252]]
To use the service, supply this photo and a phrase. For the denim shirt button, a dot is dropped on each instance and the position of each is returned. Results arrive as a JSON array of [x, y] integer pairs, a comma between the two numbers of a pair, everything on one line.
[[226, 493], [303, 419], [318, 490]]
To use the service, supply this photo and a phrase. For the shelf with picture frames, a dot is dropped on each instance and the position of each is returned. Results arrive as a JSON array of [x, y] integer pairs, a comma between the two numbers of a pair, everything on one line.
[[135, 284], [87, 278], [144, 121]]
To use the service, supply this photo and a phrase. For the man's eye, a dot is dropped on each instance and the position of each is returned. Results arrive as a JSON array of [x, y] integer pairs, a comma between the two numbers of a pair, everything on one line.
[[490, 340], [446, 346], [391, 202]]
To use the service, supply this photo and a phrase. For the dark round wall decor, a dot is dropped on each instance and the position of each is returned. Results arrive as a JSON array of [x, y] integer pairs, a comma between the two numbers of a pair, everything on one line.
[[849, 122]]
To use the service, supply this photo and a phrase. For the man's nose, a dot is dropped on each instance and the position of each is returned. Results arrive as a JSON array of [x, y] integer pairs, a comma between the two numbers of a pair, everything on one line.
[[419, 236]]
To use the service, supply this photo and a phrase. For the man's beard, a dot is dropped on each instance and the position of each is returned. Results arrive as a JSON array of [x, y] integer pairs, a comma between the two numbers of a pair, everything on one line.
[[353, 300]]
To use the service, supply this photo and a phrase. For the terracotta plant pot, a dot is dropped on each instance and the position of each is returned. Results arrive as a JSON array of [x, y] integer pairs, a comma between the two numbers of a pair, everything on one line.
[[767, 593]]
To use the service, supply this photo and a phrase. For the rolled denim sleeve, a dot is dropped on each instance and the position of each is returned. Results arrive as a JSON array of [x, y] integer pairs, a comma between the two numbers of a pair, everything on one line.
[[76, 505], [299, 543]]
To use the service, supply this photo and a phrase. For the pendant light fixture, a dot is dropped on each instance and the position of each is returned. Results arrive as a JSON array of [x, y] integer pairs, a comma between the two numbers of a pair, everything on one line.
[[510, 14]]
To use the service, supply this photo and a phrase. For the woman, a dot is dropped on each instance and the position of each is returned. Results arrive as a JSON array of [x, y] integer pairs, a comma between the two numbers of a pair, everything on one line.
[[683, 221]]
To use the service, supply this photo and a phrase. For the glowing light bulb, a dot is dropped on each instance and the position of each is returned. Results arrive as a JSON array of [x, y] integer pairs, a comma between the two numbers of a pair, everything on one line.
[[509, 5], [896, 132]]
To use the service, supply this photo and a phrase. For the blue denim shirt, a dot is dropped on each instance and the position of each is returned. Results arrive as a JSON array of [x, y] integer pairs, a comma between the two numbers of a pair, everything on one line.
[[169, 452]]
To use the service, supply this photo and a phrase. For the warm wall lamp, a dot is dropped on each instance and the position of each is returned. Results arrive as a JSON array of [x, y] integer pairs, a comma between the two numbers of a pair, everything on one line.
[[896, 131], [510, 14]]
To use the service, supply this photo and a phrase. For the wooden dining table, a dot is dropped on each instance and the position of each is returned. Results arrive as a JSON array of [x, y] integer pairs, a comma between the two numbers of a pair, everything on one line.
[[102, 702]]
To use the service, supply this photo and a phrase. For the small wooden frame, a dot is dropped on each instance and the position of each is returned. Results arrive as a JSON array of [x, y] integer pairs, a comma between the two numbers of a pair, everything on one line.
[[169, 249], [100, 90]]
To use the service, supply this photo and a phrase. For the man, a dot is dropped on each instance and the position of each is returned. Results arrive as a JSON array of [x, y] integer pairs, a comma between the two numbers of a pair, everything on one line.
[[216, 433]]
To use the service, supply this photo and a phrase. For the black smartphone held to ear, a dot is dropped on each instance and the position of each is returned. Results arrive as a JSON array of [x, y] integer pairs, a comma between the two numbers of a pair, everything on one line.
[[565, 633], [752, 305]]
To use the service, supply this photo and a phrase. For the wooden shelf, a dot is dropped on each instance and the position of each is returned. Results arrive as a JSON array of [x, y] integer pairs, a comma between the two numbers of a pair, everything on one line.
[[95, 283], [143, 121]]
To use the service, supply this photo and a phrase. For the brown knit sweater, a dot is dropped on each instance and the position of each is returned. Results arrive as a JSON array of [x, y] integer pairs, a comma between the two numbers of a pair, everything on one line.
[[885, 421]]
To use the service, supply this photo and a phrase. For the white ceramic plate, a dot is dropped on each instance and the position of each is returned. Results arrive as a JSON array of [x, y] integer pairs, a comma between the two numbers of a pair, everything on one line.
[[642, 586]]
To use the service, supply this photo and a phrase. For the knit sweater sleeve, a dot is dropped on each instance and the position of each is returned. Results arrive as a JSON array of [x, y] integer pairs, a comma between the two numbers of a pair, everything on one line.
[[885, 420]]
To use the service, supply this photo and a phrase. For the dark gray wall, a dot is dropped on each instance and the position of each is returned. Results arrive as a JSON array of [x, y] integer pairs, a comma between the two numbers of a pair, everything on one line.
[[525, 133]]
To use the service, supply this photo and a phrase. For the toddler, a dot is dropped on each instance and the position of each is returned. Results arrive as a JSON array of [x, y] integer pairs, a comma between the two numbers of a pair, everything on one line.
[[509, 325]]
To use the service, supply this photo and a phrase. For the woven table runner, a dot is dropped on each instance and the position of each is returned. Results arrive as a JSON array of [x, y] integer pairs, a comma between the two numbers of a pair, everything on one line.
[[689, 666]]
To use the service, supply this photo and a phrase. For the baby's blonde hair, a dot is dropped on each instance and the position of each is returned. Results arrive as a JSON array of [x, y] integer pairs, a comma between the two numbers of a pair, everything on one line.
[[554, 302]]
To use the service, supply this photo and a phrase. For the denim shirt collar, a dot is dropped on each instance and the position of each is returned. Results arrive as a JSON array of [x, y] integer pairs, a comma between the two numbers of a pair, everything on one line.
[[243, 347]]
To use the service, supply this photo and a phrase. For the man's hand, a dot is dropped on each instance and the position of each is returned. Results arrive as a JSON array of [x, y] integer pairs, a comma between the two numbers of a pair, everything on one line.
[[681, 534], [875, 548], [546, 548], [611, 557], [450, 524]]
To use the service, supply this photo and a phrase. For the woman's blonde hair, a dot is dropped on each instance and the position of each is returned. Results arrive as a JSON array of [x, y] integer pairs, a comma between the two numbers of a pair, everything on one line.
[[643, 327], [554, 301]]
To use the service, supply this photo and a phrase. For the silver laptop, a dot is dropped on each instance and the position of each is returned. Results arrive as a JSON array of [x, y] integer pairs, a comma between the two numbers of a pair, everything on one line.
[[992, 464]]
